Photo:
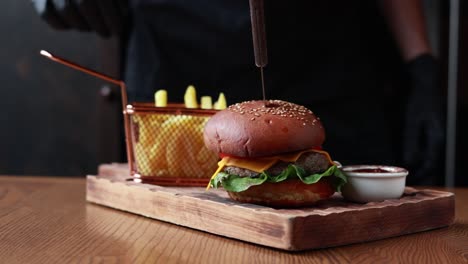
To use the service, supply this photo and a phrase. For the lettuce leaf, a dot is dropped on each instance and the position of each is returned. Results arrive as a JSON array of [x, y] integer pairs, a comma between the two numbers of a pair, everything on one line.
[[235, 183]]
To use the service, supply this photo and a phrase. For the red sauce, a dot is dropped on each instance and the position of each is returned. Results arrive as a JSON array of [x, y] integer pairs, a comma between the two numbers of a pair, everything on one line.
[[373, 170]]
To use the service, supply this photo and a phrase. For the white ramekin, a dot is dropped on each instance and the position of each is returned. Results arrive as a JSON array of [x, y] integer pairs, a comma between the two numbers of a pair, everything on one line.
[[372, 186]]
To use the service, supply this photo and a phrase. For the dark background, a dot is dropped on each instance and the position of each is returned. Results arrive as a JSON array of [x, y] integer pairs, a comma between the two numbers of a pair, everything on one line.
[[53, 120], [60, 122]]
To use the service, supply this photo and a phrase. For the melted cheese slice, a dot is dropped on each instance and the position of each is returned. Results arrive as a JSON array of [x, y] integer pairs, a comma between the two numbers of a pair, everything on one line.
[[262, 164]]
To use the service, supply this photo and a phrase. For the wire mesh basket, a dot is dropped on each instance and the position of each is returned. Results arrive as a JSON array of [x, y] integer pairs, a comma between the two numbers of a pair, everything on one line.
[[166, 145]]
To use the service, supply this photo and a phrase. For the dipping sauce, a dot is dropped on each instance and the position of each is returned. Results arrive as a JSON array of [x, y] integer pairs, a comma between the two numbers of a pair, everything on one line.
[[373, 183], [371, 170]]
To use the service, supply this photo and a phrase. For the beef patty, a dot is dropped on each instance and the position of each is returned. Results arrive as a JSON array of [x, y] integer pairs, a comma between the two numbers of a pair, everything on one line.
[[311, 162]]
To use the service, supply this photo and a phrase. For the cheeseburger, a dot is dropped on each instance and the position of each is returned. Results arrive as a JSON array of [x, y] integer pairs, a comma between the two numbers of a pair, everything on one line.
[[271, 154]]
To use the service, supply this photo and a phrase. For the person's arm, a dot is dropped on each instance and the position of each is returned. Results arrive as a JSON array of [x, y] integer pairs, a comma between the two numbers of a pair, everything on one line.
[[406, 21], [423, 133], [105, 17]]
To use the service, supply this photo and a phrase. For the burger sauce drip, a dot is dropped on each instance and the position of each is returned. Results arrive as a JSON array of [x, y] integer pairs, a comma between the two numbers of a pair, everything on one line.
[[259, 38]]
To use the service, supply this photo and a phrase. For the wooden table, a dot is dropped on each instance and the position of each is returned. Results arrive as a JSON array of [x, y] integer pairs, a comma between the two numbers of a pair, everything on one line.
[[47, 220]]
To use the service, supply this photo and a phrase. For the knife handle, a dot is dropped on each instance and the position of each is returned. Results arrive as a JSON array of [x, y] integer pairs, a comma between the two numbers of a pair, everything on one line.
[[258, 32]]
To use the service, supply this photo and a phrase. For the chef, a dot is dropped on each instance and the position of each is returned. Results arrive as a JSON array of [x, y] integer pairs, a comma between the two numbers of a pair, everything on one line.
[[364, 67]]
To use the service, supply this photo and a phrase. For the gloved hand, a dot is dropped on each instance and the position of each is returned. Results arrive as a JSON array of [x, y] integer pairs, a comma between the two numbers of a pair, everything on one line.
[[106, 17], [424, 130]]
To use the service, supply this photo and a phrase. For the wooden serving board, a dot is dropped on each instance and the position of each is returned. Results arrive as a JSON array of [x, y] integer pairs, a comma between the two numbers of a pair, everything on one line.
[[332, 222]]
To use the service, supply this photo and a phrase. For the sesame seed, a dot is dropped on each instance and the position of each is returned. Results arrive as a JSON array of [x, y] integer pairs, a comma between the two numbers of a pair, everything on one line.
[[275, 108]]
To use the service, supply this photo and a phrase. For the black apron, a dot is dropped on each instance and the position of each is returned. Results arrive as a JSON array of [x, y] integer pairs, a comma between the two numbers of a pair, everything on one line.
[[330, 56]]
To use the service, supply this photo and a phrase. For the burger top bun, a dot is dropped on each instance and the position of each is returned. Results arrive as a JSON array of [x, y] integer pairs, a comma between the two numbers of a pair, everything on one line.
[[263, 128]]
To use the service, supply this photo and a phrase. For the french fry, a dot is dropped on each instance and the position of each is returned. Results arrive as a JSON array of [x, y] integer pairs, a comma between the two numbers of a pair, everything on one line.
[[190, 97], [206, 158], [147, 145], [160, 98], [206, 102], [221, 103], [172, 146], [183, 147], [178, 145]]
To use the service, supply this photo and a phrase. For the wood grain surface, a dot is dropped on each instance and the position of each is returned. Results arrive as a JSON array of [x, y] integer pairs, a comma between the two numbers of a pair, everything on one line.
[[47, 220], [323, 225]]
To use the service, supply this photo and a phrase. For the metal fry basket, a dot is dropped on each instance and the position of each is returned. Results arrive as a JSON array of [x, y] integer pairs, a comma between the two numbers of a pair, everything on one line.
[[166, 145]]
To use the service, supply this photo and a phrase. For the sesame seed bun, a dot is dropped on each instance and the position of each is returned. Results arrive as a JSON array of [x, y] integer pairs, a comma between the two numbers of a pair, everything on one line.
[[263, 128]]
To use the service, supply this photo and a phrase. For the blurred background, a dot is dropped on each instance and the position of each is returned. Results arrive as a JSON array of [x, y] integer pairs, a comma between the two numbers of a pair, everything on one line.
[[56, 121], [60, 122]]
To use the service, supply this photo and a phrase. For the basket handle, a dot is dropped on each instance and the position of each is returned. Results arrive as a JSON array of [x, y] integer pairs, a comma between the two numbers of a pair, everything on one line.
[[123, 90]]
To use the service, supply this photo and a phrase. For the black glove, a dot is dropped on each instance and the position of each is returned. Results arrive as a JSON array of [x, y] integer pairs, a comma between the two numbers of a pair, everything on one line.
[[46, 11], [424, 130], [106, 17]]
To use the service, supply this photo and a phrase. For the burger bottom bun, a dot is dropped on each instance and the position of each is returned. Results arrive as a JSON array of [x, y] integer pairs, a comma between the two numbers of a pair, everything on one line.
[[285, 194]]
